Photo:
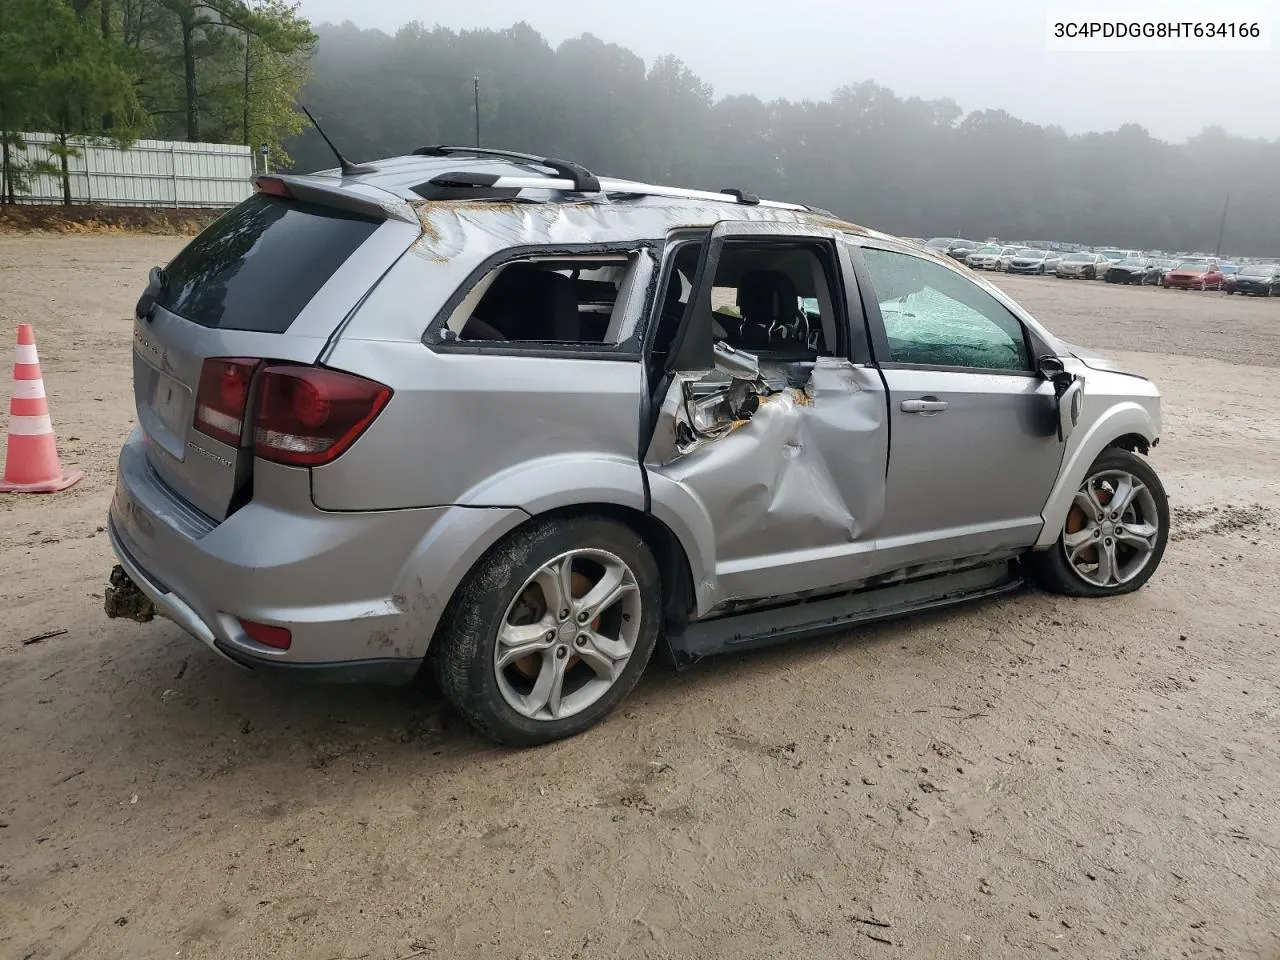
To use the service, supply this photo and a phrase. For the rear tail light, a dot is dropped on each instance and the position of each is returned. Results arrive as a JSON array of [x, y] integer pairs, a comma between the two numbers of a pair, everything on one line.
[[308, 416], [222, 396], [267, 635]]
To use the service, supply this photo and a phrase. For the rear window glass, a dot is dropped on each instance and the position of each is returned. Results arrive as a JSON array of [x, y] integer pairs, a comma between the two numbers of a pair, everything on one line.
[[259, 264]]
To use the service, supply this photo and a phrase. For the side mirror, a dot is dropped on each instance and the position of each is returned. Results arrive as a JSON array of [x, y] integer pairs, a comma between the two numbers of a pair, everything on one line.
[[1050, 367]]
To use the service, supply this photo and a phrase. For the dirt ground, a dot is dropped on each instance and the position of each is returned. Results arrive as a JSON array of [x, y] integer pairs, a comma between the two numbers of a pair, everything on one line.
[[1023, 777]]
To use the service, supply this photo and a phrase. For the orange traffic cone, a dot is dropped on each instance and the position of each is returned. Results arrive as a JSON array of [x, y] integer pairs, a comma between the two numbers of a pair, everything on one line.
[[31, 465]]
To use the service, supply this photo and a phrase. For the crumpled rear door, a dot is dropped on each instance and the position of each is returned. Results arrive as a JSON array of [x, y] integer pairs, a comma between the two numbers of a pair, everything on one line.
[[777, 480]]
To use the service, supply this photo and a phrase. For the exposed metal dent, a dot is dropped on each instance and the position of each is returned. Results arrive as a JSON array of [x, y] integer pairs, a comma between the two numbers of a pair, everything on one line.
[[451, 226], [775, 461]]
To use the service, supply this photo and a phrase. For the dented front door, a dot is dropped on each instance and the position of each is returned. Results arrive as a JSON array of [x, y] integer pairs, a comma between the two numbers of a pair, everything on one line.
[[775, 482]]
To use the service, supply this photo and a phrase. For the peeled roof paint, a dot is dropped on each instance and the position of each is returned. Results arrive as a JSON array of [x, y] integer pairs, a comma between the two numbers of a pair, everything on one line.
[[451, 226]]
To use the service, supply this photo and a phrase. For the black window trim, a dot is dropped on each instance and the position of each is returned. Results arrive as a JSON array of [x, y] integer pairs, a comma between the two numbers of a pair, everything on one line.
[[879, 337], [670, 248], [629, 350]]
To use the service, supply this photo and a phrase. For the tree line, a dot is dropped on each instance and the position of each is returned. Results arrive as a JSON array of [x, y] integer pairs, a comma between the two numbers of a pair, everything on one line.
[[225, 71], [906, 165], [234, 71]]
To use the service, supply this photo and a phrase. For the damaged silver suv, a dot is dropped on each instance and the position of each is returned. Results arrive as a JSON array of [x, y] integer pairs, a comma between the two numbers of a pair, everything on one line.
[[490, 413]]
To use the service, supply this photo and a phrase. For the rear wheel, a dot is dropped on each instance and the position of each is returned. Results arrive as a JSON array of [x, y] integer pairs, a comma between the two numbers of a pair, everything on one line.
[[1115, 533], [551, 630]]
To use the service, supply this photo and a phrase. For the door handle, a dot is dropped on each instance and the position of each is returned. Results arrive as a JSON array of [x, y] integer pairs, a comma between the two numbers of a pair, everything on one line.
[[926, 406]]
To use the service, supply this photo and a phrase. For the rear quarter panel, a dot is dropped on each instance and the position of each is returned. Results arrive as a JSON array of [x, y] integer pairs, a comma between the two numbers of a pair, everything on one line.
[[486, 430], [481, 428]]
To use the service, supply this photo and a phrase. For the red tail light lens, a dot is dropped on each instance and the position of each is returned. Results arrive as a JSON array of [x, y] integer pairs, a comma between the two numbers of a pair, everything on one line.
[[222, 396], [309, 416], [267, 635]]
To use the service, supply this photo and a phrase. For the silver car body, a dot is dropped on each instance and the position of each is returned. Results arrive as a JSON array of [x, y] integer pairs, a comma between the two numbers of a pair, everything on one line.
[[985, 258], [1042, 261], [832, 484], [1097, 264]]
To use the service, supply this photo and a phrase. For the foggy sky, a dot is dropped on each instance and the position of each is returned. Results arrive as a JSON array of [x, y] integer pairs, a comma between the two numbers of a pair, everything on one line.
[[984, 54]]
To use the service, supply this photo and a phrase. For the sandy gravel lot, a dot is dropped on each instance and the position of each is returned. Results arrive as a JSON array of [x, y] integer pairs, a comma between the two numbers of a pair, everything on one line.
[[1025, 777]]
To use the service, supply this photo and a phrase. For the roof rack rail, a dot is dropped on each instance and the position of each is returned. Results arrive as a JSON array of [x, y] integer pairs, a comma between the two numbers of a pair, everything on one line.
[[572, 179], [584, 181]]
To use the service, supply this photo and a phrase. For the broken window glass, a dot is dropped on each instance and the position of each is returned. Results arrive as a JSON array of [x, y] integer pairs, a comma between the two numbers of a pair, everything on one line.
[[558, 300], [774, 299], [933, 316]]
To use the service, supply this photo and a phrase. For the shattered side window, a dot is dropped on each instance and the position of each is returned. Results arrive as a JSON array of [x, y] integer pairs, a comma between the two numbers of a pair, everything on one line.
[[935, 317], [556, 300]]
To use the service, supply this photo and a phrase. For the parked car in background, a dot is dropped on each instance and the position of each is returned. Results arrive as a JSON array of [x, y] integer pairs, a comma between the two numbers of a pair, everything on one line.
[[1255, 280], [1139, 270], [1082, 266], [304, 491], [1194, 275], [985, 258], [1116, 256], [1197, 259], [1228, 269], [947, 244], [962, 249], [1035, 261], [1007, 253]]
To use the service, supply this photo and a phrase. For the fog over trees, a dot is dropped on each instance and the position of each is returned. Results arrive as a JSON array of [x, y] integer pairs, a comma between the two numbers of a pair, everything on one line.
[[910, 166]]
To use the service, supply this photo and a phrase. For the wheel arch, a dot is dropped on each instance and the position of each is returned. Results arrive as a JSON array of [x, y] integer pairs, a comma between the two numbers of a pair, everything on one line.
[[1127, 426], [673, 563], [1134, 443]]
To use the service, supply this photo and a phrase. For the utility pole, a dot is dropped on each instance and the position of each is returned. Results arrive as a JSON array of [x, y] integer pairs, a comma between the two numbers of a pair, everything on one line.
[[1222, 227], [476, 83]]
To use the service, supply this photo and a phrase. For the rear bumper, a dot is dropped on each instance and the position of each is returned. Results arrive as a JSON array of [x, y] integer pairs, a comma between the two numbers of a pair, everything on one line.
[[389, 670], [361, 593]]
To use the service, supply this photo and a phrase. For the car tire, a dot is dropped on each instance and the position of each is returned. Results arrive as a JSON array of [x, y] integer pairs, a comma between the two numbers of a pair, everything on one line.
[[1054, 571], [466, 650]]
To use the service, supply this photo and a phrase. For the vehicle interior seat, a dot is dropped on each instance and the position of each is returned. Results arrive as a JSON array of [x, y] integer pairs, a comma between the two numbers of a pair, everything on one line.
[[765, 297], [527, 303]]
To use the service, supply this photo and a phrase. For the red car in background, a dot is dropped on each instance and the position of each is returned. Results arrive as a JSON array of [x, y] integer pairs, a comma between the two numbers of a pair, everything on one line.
[[1195, 275]]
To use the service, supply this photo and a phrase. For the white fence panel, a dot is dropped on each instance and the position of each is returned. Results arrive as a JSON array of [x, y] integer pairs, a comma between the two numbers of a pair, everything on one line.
[[151, 173]]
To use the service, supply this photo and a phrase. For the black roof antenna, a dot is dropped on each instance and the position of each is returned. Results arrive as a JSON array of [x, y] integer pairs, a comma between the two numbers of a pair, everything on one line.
[[349, 169]]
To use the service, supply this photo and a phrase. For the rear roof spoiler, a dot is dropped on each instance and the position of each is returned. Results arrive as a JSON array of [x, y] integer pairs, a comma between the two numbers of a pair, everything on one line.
[[360, 198]]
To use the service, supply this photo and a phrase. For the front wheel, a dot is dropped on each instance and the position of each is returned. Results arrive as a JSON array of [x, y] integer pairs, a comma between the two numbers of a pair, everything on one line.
[[1115, 533], [551, 629]]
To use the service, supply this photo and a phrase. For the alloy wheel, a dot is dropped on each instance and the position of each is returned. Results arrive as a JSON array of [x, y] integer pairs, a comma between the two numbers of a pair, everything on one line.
[[1112, 530], [568, 634]]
